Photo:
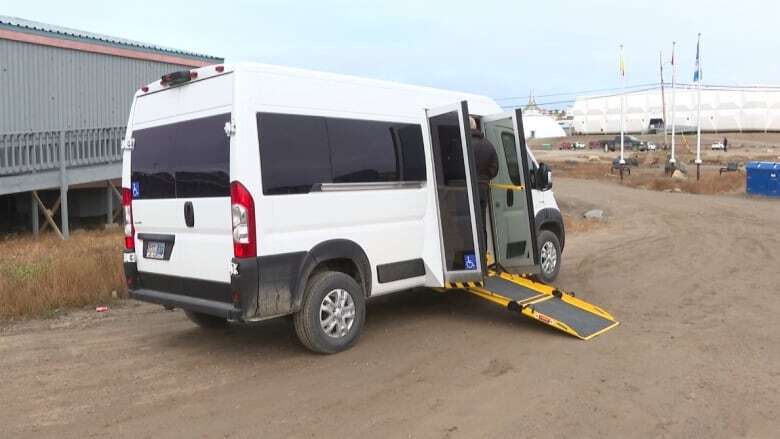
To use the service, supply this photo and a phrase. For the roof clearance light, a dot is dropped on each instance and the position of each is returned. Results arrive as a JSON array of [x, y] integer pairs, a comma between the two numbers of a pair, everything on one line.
[[193, 74], [144, 89], [219, 69]]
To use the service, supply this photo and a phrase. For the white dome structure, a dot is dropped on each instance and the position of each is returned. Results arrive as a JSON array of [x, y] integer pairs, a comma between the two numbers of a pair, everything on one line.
[[722, 109], [538, 125]]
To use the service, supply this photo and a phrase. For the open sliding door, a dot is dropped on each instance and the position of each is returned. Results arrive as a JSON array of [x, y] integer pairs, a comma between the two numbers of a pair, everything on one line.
[[461, 225]]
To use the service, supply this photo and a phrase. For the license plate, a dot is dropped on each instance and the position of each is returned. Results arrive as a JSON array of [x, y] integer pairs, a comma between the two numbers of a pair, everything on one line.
[[155, 250]]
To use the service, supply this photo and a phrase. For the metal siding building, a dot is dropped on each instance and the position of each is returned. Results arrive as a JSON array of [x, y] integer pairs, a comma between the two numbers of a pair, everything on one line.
[[65, 97], [44, 86]]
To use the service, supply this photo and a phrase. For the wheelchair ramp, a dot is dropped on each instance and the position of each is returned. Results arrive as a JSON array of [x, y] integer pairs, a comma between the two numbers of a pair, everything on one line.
[[544, 303]]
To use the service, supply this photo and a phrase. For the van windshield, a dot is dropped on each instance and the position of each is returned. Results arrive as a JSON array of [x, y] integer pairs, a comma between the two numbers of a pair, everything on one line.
[[189, 159]]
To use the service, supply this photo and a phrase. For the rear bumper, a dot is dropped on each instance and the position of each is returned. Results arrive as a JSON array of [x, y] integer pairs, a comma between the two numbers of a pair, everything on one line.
[[227, 300], [211, 307]]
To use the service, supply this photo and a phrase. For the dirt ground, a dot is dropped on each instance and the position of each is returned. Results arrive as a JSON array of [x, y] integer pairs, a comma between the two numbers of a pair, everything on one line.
[[694, 280]]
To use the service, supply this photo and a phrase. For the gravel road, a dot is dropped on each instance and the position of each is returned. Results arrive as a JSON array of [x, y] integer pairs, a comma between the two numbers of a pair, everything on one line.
[[695, 281]]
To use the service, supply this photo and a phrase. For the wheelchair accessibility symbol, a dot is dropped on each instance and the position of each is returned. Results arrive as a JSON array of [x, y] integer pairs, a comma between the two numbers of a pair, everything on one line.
[[470, 261], [136, 188]]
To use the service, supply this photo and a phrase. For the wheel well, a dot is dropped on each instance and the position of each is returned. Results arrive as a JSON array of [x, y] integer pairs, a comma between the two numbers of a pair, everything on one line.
[[342, 265], [555, 228]]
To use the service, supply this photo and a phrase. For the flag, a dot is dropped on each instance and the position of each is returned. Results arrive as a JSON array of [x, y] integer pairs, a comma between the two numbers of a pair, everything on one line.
[[673, 53], [622, 63], [697, 72]]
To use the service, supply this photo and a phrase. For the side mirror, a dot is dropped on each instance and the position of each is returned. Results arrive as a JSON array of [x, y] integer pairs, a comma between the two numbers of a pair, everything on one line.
[[543, 177]]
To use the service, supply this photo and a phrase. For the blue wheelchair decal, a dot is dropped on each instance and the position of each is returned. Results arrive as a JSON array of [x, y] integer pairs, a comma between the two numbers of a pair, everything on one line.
[[136, 189], [470, 261]]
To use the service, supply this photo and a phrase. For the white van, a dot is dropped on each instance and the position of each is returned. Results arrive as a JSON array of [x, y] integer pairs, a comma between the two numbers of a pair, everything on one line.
[[253, 191]]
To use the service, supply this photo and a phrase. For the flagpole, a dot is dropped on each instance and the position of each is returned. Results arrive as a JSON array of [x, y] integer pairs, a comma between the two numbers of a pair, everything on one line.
[[622, 105], [663, 96], [698, 108], [672, 160]]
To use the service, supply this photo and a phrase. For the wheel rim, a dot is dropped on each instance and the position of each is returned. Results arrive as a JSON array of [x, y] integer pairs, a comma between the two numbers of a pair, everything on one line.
[[337, 313], [549, 257]]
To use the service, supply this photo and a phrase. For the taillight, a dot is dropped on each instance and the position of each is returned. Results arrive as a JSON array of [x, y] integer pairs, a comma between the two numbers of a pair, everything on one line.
[[242, 210], [219, 69], [127, 206]]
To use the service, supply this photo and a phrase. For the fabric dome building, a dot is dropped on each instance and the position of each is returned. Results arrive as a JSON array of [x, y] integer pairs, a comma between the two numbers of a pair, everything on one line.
[[722, 109]]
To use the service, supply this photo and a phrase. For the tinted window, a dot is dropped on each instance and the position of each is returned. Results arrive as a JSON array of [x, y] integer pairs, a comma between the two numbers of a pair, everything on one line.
[[512, 162], [187, 159], [294, 153], [363, 151], [452, 190], [412, 152], [297, 152], [367, 151]]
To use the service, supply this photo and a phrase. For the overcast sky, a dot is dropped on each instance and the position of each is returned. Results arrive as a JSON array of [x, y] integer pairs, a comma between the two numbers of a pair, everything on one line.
[[501, 49]]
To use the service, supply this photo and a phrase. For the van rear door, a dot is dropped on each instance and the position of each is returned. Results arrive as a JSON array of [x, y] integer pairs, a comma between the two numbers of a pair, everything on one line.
[[180, 184]]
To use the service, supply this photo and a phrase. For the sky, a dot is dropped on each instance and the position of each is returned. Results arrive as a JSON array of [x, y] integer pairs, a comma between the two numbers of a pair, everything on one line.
[[500, 49]]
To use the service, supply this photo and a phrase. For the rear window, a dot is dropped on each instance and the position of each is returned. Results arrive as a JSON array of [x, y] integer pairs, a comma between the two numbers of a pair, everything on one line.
[[189, 159], [298, 152]]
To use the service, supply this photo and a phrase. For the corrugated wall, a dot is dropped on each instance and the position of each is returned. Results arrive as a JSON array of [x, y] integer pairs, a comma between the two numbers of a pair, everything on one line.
[[49, 88]]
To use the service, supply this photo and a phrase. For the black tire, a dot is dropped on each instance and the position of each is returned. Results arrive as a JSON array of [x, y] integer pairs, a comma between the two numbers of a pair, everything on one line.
[[307, 321], [546, 236], [207, 321]]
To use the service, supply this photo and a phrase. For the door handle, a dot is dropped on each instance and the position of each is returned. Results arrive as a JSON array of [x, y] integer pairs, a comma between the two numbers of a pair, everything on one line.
[[510, 198], [189, 214]]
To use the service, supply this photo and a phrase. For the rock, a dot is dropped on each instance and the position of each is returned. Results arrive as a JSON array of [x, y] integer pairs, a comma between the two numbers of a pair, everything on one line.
[[678, 174], [593, 158], [594, 214], [677, 190]]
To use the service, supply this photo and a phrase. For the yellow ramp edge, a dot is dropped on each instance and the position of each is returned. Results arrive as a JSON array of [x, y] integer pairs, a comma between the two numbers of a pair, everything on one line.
[[544, 303]]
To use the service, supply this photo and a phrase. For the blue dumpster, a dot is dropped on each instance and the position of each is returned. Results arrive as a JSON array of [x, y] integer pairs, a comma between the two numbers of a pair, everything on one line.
[[763, 178]]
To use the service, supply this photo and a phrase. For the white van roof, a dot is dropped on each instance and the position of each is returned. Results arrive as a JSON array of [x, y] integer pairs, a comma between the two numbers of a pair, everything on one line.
[[288, 89]]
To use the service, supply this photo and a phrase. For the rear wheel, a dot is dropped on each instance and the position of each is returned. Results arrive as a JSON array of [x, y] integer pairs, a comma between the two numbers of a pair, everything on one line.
[[207, 321], [332, 314], [549, 255]]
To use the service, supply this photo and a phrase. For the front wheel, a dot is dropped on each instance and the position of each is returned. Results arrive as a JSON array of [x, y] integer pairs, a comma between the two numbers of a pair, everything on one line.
[[549, 255], [332, 314]]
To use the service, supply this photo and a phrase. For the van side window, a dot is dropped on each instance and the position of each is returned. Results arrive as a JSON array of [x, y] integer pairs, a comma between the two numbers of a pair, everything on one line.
[[297, 152], [367, 151], [512, 162], [294, 153]]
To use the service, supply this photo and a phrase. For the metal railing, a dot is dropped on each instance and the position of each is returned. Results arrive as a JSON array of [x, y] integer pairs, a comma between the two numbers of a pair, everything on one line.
[[23, 153]]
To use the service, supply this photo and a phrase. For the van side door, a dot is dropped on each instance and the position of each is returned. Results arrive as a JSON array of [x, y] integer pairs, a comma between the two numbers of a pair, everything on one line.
[[511, 201]]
